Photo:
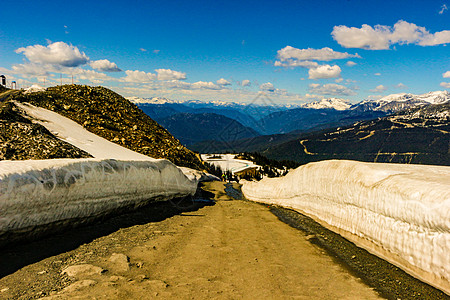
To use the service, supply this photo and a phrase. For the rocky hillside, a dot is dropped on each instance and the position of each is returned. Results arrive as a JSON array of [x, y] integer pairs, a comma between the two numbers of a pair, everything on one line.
[[114, 118], [22, 139]]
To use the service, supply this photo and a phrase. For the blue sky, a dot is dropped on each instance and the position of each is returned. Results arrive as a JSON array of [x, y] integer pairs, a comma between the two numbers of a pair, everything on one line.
[[293, 51]]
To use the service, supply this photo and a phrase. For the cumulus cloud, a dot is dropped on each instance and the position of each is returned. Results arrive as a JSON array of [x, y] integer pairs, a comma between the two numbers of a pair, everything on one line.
[[246, 82], [167, 74], [58, 53], [379, 89], [91, 75], [138, 76], [445, 85], [351, 63], [443, 9], [296, 63], [446, 74], [267, 87], [223, 81], [400, 86], [331, 89], [143, 49], [339, 80], [205, 85], [104, 65], [293, 55], [33, 70], [381, 37], [325, 71], [377, 74]]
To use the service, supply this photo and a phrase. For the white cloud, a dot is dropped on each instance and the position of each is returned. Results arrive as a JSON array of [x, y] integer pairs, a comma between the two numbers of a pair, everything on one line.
[[325, 71], [339, 80], [374, 97], [267, 87], [246, 82], [379, 89], [167, 74], [143, 49], [381, 37], [377, 74], [324, 54], [156, 51], [205, 85], [400, 86], [331, 89], [296, 63], [58, 53], [91, 75], [138, 76], [445, 85], [33, 70], [104, 65], [223, 81], [446, 74], [443, 9], [351, 63]]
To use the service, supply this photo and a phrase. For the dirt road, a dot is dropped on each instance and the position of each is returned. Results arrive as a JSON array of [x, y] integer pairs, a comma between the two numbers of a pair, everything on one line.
[[229, 250]]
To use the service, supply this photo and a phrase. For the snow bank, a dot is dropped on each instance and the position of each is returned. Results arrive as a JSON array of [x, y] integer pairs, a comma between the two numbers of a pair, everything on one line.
[[401, 212], [197, 175], [39, 193], [75, 134], [228, 162]]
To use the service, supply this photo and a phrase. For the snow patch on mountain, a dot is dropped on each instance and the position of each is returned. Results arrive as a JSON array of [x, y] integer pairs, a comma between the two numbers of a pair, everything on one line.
[[333, 103], [152, 100], [34, 89], [397, 102], [75, 134]]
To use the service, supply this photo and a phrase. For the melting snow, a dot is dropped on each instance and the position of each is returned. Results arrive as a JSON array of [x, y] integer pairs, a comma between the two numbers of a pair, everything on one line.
[[403, 209], [38, 193]]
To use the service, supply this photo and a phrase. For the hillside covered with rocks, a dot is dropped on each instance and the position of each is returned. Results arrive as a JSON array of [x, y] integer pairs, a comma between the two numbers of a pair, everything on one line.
[[109, 115], [21, 139]]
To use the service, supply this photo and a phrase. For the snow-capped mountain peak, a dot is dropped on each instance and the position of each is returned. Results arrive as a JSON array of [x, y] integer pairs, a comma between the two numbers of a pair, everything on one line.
[[334, 103], [397, 102], [152, 100], [436, 97]]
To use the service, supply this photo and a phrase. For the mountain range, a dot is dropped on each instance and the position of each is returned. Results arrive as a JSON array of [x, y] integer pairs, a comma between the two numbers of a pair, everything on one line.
[[269, 120], [419, 135]]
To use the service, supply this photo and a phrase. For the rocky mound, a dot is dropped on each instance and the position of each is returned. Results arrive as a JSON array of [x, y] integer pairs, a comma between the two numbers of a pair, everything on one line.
[[20, 139], [109, 115]]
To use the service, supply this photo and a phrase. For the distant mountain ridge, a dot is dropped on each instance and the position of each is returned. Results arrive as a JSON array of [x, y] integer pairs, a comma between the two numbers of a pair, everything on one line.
[[398, 102], [419, 135], [279, 119], [193, 128], [333, 103]]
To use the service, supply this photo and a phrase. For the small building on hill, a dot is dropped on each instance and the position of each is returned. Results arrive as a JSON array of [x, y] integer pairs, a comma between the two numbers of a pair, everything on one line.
[[3, 80]]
